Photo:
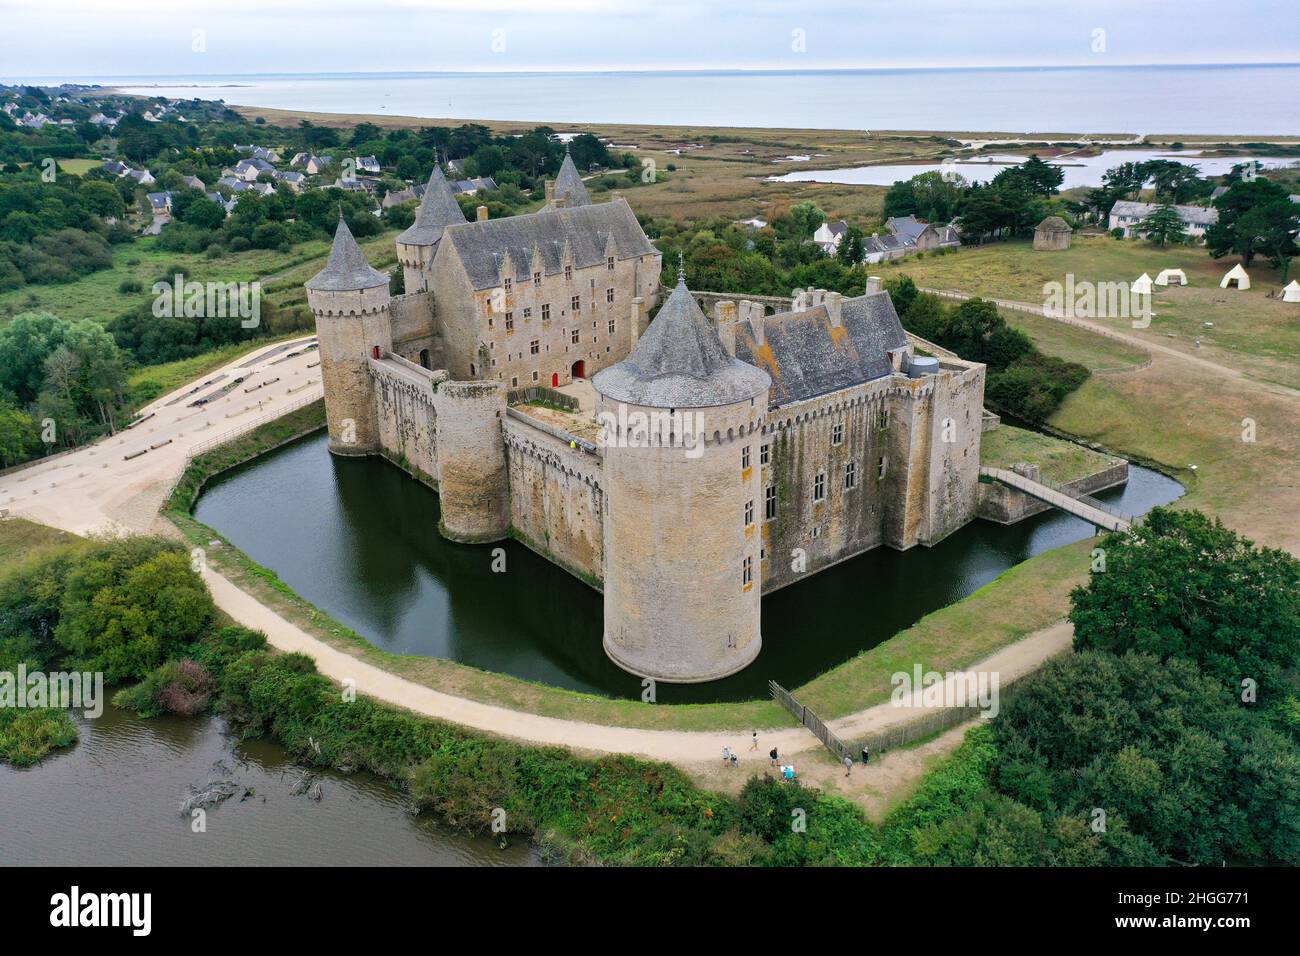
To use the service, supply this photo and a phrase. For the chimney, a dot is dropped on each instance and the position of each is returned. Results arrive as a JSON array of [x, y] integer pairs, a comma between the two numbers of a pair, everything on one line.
[[834, 308], [550, 192], [754, 312], [482, 213], [873, 284], [819, 296], [637, 317], [726, 313]]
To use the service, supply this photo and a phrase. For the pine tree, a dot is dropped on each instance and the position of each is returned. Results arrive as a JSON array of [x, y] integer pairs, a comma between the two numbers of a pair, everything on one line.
[[1163, 226]]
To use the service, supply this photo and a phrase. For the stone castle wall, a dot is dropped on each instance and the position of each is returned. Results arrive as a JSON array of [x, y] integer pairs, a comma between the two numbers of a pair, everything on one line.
[[405, 415], [473, 482], [556, 499]]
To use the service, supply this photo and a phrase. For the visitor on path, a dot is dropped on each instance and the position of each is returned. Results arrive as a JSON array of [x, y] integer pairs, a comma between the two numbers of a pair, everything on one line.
[[726, 756], [754, 745], [734, 759], [848, 765], [774, 756], [788, 773], [866, 755]]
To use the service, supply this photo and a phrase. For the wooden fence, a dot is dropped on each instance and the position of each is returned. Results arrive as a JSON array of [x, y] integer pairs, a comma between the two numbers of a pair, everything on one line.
[[810, 720], [935, 721]]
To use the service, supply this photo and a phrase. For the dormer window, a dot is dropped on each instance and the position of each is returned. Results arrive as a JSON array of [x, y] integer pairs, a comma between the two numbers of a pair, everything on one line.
[[537, 278], [609, 263], [568, 273], [507, 284]]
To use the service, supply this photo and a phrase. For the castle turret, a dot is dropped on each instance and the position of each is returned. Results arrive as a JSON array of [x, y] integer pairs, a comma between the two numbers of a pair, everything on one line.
[[418, 243], [681, 422], [350, 301], [569, 189], [472, 478]]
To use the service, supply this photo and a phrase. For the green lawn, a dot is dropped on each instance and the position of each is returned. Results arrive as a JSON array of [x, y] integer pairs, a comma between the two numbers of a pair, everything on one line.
[[1058, 460]]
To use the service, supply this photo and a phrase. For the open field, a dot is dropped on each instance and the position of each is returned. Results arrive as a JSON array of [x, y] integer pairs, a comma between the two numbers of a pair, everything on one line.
[[1251, 332], [22, 540], [1058, 460]]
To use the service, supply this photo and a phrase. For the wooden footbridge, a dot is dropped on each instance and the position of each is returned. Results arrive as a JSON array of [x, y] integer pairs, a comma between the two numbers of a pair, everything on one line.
[[1072, 502]]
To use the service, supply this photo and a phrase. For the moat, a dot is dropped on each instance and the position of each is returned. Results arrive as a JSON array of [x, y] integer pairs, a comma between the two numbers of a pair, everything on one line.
[[358, 538]]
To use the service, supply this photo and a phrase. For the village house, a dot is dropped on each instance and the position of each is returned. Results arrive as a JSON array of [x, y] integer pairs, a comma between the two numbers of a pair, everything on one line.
[[249, 169], [469, 187], [294, 181], [1128, 215], [315, 165], [829, 235], [367, 164]]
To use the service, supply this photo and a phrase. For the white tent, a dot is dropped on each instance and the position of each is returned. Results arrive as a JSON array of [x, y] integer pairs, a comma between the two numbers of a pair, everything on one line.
[[1292, 292], [1142, 284], [1236, 276], [1171, 277]]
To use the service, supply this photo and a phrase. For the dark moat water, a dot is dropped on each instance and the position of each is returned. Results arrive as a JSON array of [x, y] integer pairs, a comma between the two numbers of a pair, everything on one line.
[[359, 539], [113, 799]]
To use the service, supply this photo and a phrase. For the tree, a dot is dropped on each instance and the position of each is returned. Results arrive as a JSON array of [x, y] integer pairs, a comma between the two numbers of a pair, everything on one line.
[[18, 434], [1163, 226], [1227, 235], [1181, 585], [851, 251], [1271, 232], [805, 218]]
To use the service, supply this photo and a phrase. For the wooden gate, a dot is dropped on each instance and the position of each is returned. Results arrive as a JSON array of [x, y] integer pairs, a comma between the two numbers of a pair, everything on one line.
[[810, 720]]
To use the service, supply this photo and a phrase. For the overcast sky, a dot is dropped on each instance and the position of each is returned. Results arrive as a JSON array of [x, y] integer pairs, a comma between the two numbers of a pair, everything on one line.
[[198, 37]]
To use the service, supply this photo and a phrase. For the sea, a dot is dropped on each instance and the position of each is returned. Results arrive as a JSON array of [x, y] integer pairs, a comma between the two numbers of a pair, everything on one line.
[[1128, 101]]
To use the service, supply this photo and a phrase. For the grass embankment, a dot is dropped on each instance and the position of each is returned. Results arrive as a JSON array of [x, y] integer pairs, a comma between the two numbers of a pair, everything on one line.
[[1250, 332], [150, 381], [1021, 601], [1058, 460]]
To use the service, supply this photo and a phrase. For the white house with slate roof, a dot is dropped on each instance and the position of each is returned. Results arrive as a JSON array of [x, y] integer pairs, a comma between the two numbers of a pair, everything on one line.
[[736, 454], [1128, 215]]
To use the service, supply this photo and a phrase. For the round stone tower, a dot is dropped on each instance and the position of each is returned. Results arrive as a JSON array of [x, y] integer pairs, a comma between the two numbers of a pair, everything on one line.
[[472, 479], [418, 243], [350, 302], [681, 422]]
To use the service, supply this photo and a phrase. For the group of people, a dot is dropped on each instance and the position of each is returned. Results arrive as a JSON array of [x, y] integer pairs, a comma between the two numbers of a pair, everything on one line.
[[730, 759]]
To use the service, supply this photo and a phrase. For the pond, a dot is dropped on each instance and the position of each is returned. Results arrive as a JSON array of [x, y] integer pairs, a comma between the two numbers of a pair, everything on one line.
[[359, 539]]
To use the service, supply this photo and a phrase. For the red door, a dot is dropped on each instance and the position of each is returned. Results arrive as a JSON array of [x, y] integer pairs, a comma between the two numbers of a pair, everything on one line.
[[579, 369], [555, 380]]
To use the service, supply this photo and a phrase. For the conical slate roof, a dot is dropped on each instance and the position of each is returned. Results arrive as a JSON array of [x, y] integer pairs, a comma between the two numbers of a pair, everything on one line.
[[438, 209], [569, 186], [681, 363], [347, 269]]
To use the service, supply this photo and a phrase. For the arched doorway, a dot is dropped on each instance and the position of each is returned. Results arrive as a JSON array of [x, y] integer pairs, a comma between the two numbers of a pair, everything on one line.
[[579, 369], [555, 380], [424, 358]]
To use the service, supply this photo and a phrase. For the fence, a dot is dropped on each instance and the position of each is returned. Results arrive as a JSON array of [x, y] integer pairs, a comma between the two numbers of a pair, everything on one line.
[[810, 720], [935, 722], [541, 393]]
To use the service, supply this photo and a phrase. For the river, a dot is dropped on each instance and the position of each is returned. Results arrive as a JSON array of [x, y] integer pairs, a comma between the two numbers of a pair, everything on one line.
[[113, 799], [358, 538]]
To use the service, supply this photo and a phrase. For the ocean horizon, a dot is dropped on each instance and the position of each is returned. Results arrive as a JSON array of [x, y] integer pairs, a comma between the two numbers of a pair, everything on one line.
[[1192, 99]]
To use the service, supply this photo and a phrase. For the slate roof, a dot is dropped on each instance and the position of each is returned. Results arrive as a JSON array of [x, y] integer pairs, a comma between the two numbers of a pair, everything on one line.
[[569, 185], [347, 269], [908, 226], [681, 363], [481, 246], [806, 357], [1193, 215], [438, 210]]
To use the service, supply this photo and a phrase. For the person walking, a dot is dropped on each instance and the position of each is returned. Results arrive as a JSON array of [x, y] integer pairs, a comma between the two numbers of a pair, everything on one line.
[[726, 756], [754, 745], [774, 756], [848, 765]]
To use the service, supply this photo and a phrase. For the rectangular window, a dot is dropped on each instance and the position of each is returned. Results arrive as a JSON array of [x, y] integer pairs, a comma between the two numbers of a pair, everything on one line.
[[510, 321], [535, 346], [609, 263], [611, 326], [568, 273], [819, 486], [749, 512], [881, 466], [573, 336], [537, 278], [837, 433], [747, 572], [851, 474], [764, 454], [546, 312], [528, 312], [769, 503], [576, 303], [744, 457], [534, 375], [508, 284], [609, 295], [514, 381], [884, 418]]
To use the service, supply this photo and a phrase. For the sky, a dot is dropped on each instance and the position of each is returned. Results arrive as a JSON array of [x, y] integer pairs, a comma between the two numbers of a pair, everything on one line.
[[114, 38]]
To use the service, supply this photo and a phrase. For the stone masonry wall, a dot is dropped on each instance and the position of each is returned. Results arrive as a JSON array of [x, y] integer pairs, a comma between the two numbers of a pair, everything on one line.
[[407, 421]]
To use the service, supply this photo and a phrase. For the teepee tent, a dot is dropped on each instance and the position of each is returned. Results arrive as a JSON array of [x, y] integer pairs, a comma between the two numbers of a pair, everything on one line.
[[1171, 277], [1292, 292], [1142, 284], [1236, 276]]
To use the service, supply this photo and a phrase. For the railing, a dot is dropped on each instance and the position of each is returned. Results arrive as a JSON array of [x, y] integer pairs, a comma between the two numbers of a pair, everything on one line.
[[1000, 474], [541, 393], [810, 720], [934, 722]]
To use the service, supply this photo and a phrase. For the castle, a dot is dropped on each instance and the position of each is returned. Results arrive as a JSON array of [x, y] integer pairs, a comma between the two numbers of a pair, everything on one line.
[[684, 466]]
